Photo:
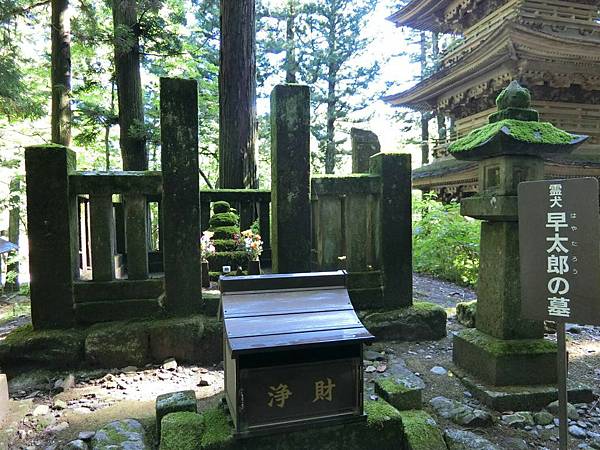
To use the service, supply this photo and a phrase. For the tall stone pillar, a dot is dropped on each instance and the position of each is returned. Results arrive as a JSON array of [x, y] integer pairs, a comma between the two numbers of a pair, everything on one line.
[[504, 349], [395, 222], [290, 179], [52, 232], [365, 144], [181, 194]]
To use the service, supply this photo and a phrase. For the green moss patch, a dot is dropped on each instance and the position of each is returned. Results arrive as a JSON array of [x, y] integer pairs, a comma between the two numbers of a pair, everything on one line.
[[217, 428], [51, 348], [181, 431], [224, 219], [502, 347], [421, 431], [379, 413], [528, 132]]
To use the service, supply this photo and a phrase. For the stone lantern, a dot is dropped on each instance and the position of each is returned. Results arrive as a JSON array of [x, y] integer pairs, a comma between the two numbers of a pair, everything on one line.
[[504, 350]]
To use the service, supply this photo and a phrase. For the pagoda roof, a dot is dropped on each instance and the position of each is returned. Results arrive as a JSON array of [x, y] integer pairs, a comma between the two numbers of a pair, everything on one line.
[[426, 15], [449, 16], [517, 49]]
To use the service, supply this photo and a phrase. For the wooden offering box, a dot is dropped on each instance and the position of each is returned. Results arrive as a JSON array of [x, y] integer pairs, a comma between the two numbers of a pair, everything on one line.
[[292, 351]]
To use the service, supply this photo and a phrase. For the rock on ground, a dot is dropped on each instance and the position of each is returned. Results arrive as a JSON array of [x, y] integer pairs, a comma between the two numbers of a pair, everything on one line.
[[126, 434], [466, 440], [460, 413]]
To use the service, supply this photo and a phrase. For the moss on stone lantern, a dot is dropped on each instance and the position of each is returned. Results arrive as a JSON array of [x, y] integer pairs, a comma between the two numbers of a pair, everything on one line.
[[510, 150], [515, 129]]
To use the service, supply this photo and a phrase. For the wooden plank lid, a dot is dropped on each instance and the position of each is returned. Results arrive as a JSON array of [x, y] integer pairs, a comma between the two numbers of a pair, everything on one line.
[[268, 312]]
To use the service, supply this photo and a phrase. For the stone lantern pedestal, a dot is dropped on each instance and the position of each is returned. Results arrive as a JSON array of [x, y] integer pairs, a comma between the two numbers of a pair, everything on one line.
[[505, 360]]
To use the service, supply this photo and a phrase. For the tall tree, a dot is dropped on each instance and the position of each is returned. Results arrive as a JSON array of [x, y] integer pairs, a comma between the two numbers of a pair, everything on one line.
[[330, 63], [61, 73], [129, 85], [277, 25], [237, 95]]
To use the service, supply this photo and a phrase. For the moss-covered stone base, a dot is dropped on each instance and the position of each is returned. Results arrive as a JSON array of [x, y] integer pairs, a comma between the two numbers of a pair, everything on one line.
[[502, 362], [399, 393], [173, 402], [195, 339], [519, 398], [421, 431], [420, 322], [213, 430]]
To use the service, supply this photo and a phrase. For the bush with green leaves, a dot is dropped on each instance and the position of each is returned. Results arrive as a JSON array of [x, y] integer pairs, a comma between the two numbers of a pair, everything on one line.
[[445, 244]]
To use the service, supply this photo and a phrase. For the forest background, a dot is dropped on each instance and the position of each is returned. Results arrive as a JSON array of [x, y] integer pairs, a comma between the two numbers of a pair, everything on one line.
[[345, 50]]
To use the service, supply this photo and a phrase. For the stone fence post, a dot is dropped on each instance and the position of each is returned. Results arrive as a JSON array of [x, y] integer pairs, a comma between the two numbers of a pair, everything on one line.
[[52, 231], [290, 179], [181, 194], [395, 226]]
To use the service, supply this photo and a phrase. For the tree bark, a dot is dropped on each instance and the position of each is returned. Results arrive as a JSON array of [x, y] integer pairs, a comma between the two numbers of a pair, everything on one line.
[[132, 138], [237, 96], [60, 73], [291, 66]]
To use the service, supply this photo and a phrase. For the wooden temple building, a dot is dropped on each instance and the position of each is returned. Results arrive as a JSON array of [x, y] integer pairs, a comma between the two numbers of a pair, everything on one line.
[[552, 47]]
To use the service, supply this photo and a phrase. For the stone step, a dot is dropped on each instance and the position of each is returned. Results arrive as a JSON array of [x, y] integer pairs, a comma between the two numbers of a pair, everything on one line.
[[110, 310], [100, 291]]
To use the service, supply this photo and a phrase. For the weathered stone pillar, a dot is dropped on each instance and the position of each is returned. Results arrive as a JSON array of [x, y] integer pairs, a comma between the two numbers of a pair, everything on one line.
[[365, 144], [101, 233], [290, 179], [504, 349], [136, 222], [395, 226], [181, 194], [52, 230]]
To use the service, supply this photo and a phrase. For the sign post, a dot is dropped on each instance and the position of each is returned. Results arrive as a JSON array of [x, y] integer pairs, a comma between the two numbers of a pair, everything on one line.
[[559, 248]]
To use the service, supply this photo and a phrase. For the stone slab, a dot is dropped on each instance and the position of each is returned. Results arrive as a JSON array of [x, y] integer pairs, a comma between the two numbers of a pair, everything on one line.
[[501, 362], [3, 397], [402, 388], [523, 397], [196, 339], [420, 322]]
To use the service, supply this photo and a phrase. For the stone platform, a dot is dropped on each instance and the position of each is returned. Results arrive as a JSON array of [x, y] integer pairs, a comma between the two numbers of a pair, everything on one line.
[[196, 339], [521, 397]]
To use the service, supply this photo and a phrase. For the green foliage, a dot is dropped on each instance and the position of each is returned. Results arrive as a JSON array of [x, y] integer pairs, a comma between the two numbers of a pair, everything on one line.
[[445, 244]]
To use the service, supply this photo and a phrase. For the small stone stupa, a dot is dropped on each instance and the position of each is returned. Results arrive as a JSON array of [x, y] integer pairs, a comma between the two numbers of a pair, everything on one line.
[[225, 224], [505, 360]]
